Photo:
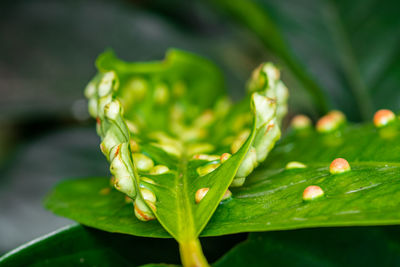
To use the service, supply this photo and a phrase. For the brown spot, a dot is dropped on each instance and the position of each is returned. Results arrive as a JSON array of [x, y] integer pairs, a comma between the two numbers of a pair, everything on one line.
[[270, 126], [271, 100], [116, 152], [142, 214], [105, 191], [225, 157], [151, 205], [128, 200]]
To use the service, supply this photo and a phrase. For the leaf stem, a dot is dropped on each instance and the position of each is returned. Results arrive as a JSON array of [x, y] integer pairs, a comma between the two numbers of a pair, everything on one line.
[[192, 254]]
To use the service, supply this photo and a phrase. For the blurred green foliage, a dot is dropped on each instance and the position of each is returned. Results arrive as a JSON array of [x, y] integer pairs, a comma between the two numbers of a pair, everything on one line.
[[343, 53], [349, 50]]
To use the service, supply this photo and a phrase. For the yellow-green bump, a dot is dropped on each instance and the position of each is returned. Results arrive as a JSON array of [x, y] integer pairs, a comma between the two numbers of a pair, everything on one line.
[[226, 195], [295, 165], [331, 121], [204, 170], [142, 211], [301, 122], [383, 117], [225, 157], [142, 162], [200, 194], [312, 192], [159, 169], [339, 165]]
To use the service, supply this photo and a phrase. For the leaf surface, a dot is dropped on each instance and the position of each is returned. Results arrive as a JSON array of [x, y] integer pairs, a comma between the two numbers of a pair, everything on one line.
[[271, 198]]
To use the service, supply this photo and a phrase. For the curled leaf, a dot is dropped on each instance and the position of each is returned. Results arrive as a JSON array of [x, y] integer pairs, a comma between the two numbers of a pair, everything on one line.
[[170, 122]]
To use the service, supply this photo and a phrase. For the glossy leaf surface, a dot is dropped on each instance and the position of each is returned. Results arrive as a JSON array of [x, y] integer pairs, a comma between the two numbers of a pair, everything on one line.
[[271, 198]]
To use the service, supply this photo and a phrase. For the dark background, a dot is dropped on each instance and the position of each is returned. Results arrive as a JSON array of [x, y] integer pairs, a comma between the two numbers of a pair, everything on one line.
[[47, 54]]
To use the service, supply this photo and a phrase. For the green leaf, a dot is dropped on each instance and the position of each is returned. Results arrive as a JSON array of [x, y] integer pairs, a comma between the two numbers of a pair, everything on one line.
[[348, 50], [366, 246], [91, 202], [361, 143], [271, 198], [164, 126]]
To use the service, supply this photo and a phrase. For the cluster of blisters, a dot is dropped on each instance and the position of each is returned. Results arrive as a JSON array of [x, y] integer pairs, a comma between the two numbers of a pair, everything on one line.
[[326, 124], [269, 106], [116, 145], [329, 123], [213, 162], [335, 119]]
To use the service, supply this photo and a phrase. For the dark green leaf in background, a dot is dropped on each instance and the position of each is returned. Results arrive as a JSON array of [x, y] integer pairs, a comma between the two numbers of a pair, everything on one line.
[[78, 245], [347, 49], [365, 246]]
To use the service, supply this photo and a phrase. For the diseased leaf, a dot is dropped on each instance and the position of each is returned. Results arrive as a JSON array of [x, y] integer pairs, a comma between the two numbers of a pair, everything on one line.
[[357, 143], [271, 198], [91, 202], [164, 126], [366, 246]]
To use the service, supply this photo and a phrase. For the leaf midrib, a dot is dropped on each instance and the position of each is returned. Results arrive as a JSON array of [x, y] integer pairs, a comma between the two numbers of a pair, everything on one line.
[[185, 214]]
